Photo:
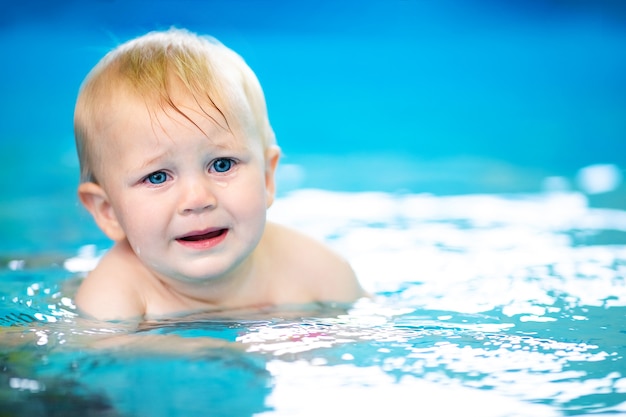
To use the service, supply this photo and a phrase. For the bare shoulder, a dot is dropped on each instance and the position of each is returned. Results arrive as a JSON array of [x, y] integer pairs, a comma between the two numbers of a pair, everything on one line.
[[108, 293], [327, 274]]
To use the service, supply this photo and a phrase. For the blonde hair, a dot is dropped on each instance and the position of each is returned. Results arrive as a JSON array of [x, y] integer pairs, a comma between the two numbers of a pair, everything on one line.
[[144, 66]]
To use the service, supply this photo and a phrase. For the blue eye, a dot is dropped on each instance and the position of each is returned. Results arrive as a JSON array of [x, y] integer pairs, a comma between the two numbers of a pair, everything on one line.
[[156, 178], [222, 165]]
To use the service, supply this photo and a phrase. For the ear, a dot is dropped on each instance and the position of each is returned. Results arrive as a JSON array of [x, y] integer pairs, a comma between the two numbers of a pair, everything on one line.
[[96, 201], [272, 155]]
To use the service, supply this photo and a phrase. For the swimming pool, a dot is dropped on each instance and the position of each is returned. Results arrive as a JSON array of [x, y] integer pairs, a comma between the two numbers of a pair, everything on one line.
[[498, 266], [509, 305]]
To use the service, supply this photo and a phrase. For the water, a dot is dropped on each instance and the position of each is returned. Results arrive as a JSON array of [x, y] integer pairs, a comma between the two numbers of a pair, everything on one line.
[[466, 157], [510, 305]]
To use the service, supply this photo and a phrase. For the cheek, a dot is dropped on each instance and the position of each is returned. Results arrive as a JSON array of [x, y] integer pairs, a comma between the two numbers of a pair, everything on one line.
[[250, 199], [139, 219]]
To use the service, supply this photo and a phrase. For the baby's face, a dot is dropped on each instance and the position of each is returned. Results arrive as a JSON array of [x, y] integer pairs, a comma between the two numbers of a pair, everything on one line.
[[191, 199]]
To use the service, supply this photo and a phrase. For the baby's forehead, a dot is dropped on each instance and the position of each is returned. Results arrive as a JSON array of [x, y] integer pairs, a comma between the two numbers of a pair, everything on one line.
[[179, 108]]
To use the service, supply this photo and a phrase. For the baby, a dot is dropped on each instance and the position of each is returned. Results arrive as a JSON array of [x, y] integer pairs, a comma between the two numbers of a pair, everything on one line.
[[177, 161]]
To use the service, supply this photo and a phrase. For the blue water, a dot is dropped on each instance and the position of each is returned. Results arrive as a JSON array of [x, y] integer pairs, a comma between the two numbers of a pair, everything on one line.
[[466, 157], [512, 305]]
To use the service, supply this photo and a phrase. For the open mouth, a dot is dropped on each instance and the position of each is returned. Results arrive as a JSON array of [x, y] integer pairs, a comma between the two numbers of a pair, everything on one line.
[[203, 237]]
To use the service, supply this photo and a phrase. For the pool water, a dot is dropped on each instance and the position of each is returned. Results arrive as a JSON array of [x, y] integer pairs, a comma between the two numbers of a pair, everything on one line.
[[484, 305], [467, 157]]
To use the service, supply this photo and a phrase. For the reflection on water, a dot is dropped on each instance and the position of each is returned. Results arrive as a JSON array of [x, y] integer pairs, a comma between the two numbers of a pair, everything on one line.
[[484, 305], [486, 362]]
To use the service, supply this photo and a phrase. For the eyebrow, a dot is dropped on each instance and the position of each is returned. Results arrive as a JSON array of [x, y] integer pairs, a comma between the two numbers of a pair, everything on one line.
[[222, 145], [152, 160]]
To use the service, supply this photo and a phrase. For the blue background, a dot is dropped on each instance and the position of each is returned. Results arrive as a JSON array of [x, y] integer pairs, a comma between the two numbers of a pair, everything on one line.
[[444, 96]]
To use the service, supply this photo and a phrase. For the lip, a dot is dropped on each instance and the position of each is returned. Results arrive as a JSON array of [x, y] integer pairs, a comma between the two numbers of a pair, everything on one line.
[[203, 239]]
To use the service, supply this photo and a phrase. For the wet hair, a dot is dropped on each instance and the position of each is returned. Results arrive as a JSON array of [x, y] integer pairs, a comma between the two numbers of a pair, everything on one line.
[[148, 66]]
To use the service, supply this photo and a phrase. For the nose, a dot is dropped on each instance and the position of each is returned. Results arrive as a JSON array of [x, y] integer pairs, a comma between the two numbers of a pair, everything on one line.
[[196, 196]]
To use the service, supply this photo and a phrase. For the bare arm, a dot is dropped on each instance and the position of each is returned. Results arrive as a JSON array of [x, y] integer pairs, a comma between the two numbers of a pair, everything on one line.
[[327, 275], [109, 291]]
